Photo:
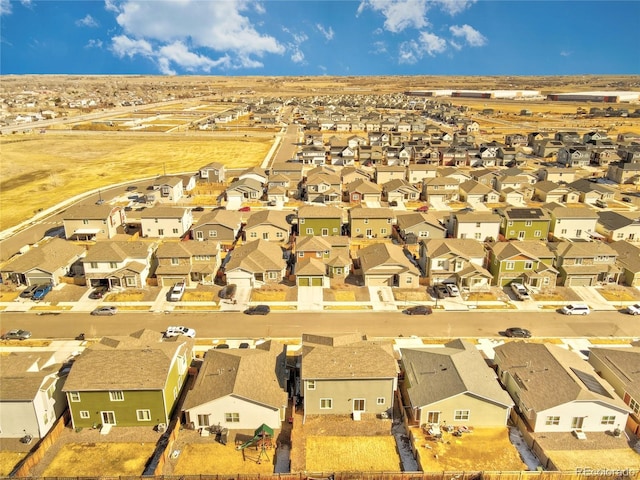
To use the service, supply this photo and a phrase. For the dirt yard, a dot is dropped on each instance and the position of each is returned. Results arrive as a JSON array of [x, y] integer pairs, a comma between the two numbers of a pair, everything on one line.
[[596, 459], [484, 449], [353, 453]]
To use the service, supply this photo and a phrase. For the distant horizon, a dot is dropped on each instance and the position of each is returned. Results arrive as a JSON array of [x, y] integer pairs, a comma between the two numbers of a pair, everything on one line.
[[320, 38]]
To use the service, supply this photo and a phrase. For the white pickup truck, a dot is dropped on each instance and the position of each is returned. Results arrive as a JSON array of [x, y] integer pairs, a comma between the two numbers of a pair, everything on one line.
[[176, 292]]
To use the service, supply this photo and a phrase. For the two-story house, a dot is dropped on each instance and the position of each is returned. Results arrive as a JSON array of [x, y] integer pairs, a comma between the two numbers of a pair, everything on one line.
[[524, 223], [92, 222], [219, 226], [386, 264], [213, 172], [271, 225], [572, 223], [118, 264], [166, 222], [585, 263], [400, 191], [479, 226], [528, 262], [255, 264], [614, 226], [440, 190], [414, 226], [371, 222], [323, 187], [362, 191], [454, 260], [322, 221], [189, 262], [628, 261], [170, 188]]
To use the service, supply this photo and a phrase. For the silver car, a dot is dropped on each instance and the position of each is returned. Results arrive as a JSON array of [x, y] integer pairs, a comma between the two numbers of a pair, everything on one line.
[[17, 334], [106, 310]]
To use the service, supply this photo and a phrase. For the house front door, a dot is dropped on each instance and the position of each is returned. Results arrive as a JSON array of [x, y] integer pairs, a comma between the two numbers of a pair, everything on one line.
[[433, 417], [358, 405], [108, 418], [521, 235], [576, 422]]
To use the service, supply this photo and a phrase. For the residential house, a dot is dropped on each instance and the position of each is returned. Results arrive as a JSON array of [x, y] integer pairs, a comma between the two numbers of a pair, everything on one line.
[[170, 188], [604, 157], [214, 172], [418, 172], [546, 191], [31, 398], [629, 262], [615, 226], [347, 375], [167, 222], [479, 226], [93, 222], [189, 262], [239, 389], [256, 263], [454, 173], [371, 222], [350, 174], [568, 137], [557, 174], [575, 156], [414, 226], [386, 264], [386, 173], [370, 154], [118, 264], [517, 182], [547, 148], [590, 191], [333, 251], [556, 391], [44, 262], [322, 221], [440, 190], [454, 260], [527, 262], [474, 192], [624, 173], [400, 191], [256, 174], [454, 156], [620, 367], [484, 176], [312, 155], [219, 226], [128, 381], [585, 264], [572, 223], [516, 140], [243, 190], [271, 225], [524, 223], [362, 191], [323, 187], [452, 386]]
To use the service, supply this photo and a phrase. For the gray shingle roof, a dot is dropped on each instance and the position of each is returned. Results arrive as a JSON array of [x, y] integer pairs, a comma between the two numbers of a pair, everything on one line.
[[23, 373], [624, 363], [257, 256], [47, 256], [117, 251]]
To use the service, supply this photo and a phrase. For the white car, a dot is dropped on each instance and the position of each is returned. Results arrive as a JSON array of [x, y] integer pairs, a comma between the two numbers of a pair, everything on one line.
[[634, 309], [175, 331], [452, 288], [520, 291], [176, 292], [575, 309]]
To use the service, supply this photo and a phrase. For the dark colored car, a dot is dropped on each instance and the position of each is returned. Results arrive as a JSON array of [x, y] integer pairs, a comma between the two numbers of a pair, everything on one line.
[[221, 346], [228, 291], [243, 345], [627, 199], [29, 291], [517, 332], [131, 188], [99, 292], [198, 209], [258, 310], [440, 290], [418, 310], [40, 292]]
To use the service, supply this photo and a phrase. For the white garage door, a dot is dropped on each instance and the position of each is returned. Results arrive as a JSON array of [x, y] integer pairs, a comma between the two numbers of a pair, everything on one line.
[[580, 281]]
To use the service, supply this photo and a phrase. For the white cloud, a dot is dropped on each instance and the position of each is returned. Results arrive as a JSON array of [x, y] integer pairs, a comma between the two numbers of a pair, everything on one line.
[[87, 21], [432, 43], [326, 33], [565, 53], [94, 43], [5, 7], [409, 52], [379, 47], [454, 7], [297, 56], [473, 37], [399, 14], [427, 43], [455, 44], [188, 29]]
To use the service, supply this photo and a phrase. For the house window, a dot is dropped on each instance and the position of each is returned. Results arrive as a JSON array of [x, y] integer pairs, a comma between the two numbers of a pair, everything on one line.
[[113, 265], [116, 396], [84, 414], [383, 231], [175, 392], [232, 417], [311, 384], [578, 233], [635, 406], [563, 231], [200, 235], [509, 265], [143, 415], [175, 261], [301, 254], [326, 403], [440, 263], [619, 236], [537, 233], [324, 232], [608, 420], [552, 420], [302, 221], [130, 281], [356, 197], [461, 415], [273, 275], [203, 420], [528, 223], [477, 236], [366, 220], [160, 232], [265, 235], [577, 261], [74, 396], [253, 235], [279, 235], [528, 265], [85, 222], [510, 223], [477, 224], [309, 231], [380, 401], [338, 270], [409, 280], [423, 234], [94, 264], [175, 231], [213, 233]]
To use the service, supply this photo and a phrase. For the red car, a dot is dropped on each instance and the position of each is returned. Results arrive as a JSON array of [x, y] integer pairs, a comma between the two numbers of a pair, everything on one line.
[[423, 208], [245, 209]]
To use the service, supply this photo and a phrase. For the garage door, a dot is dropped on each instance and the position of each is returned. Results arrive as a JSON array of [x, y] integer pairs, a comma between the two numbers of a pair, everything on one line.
[[374, 281], [303, 281], [171, 281], [38, 280], [506, 281], [316, 282], [580, 281]]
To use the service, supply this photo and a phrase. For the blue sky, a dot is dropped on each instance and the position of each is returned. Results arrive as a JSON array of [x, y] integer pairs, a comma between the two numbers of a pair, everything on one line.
[[330, 37]]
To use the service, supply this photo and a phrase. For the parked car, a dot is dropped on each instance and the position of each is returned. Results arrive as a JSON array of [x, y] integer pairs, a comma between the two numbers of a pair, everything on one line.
[[423, 208], [418, 310], [627, 199], [575, 309], [452, 288], [175, 331], [243, 345], [198, 209], [517, 332], [258, 310], [440, 290], [41, 292], [222, 346], [633, 309], [393, 203], [106, 310], [99, 292], [601, 203], [17, 335], [177, 291], [131, 188], [228, 291], [520, 291], [29, 291], [245, 209]]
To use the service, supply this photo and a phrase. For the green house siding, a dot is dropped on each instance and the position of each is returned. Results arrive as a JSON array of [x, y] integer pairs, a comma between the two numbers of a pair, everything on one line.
[[333, 226], [125, 411], [519, 230], [175, 382]]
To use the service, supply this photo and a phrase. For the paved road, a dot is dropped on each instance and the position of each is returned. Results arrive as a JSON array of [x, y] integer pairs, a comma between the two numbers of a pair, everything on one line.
[[292, 325]]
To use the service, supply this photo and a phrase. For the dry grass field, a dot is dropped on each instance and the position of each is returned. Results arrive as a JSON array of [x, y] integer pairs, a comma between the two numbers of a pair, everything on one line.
[[215, 458], [484, 449], [363, 454], [8, 460], [596, 459], [100, 460], [39, 171]]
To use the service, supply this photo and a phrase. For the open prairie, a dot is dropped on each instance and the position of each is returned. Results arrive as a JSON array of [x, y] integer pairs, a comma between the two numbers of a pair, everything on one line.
[[39, 171]]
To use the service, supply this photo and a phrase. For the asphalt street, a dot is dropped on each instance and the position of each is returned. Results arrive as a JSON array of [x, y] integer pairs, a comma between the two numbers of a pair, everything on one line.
[[291, 324]]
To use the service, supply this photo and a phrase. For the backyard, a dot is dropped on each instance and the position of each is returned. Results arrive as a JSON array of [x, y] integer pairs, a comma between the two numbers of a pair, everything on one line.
[[215, 458], [359, 453]]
